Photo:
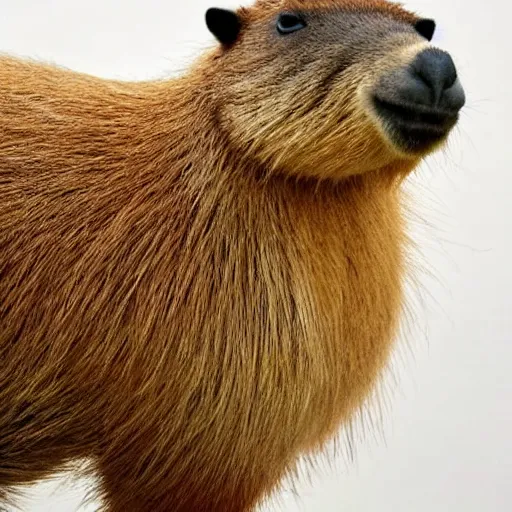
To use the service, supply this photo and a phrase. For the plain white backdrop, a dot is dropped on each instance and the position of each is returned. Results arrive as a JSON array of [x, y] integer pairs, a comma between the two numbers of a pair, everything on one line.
[[445, 443]]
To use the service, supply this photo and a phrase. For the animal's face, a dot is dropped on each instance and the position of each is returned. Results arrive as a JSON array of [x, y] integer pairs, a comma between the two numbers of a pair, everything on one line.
[[332, 88]]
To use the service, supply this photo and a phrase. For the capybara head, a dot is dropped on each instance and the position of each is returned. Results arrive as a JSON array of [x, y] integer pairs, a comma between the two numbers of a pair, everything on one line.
[[329, 89]]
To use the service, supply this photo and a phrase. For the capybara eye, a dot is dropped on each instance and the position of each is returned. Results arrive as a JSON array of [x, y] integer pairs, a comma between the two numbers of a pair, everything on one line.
[[426, 28], [288, 23]]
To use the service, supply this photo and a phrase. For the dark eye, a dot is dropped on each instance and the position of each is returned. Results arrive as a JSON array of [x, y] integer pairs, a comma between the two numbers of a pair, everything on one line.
[[426, 28], [288, 23]]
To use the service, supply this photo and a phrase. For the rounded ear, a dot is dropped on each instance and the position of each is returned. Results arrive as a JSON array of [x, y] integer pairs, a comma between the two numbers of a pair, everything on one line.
[[426, 28], [223, 24]]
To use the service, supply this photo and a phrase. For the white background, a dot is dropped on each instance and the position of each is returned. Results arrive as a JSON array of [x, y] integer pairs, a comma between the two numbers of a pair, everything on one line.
[[445, 443]]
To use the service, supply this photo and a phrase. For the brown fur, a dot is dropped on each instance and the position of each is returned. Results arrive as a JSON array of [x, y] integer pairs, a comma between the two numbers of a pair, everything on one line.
[[201, 278]]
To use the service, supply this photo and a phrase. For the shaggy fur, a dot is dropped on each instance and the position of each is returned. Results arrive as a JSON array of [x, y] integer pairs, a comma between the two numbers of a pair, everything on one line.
[[200, 278]]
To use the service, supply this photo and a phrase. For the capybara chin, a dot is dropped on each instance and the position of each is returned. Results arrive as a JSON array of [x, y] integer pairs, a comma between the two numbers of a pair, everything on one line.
[[201, 278]]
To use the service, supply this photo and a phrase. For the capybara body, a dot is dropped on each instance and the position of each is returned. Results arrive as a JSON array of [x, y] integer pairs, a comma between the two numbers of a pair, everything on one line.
[[201, 278]]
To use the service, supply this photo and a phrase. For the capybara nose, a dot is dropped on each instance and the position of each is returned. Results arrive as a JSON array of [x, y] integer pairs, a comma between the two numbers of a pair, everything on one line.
[[419, 103], [434, 81]]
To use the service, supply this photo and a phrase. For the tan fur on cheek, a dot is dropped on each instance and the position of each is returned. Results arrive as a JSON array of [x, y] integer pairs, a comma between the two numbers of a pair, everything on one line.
[[332, 138]]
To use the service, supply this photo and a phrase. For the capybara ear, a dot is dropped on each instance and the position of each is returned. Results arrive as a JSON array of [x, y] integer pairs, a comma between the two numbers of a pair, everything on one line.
[[426, 28], [225, 25]]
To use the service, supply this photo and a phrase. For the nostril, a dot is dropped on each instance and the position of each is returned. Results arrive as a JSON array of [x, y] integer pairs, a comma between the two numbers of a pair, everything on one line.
[[437, 70]]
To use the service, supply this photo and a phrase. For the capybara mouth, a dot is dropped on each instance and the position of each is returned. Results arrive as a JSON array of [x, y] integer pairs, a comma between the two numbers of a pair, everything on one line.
[[415, 128]]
